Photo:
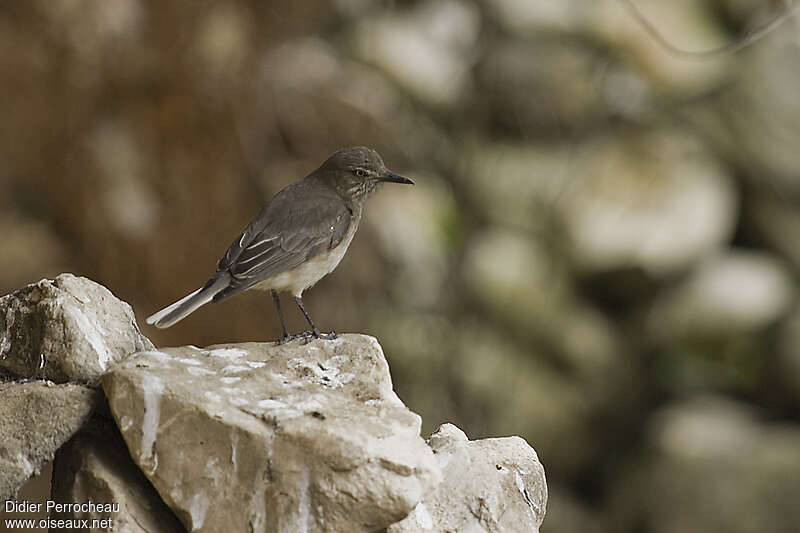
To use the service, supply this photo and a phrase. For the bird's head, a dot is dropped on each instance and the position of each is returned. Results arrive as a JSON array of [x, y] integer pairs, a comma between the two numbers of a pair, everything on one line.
[[358, 171]]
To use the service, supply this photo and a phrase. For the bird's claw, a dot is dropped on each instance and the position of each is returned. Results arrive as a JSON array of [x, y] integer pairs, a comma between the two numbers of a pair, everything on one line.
[[307, 335], [325, 336], [288, 337]]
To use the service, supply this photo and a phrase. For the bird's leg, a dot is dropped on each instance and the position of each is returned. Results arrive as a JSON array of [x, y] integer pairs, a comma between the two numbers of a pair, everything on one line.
[[286, 336], [314, 330]]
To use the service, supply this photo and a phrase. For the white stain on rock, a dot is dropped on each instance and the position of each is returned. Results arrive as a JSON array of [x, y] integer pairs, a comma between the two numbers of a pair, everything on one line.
[[234, 369], [153, 388], [228, 353], [198, 507], [422, 516], [199, 371], [95, 340], [271, 404]]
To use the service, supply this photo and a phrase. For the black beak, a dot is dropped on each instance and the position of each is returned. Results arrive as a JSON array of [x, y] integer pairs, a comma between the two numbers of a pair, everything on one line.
[[395, 178]]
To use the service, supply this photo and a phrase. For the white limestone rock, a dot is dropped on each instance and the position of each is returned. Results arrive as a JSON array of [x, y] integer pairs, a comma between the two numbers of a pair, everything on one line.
[[37, 418], [94, 466], [490, 485], [299, 437], [66, 329]]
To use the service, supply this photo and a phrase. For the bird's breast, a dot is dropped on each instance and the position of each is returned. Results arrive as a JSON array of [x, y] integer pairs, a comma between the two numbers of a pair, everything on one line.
[[308, 273]]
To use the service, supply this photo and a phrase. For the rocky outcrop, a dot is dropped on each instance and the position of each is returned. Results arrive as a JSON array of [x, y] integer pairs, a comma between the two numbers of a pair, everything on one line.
[[66, 329], [303, 437], [490, 485], [36, 419], [69, 329], [299, 437]]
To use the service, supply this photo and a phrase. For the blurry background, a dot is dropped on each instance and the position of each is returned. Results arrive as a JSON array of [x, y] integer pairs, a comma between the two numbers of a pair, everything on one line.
[[601, 253]]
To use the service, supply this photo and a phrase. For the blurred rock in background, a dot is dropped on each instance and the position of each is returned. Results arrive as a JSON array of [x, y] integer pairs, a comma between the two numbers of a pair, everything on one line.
[[601, 232]]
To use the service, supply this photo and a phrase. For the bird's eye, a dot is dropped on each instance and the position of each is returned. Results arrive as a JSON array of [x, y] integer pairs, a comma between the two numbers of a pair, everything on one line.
[[360, 172]]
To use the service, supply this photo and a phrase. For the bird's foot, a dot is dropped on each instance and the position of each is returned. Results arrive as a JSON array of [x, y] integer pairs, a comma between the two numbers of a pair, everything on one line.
[[324, 336], [288, 337], [306, 336]]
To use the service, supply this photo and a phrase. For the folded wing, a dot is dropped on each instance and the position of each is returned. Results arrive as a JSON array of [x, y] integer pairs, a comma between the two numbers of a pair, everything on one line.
[[283, 236]]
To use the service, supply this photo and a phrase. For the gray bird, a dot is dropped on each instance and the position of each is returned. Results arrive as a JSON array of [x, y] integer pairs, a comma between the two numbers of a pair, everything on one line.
[[296, 239]]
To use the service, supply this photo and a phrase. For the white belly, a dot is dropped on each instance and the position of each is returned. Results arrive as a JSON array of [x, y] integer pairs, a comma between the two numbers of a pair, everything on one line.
[[304, 276]]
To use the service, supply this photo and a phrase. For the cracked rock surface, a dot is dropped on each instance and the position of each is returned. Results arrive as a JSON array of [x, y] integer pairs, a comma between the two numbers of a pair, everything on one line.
[[66, 329], [490, 485], [299, 437], [94, 466], [35, 419]]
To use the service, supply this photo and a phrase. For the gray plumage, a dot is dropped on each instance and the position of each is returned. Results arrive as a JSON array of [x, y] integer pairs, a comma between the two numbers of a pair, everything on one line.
[[296, 239], [303, 220]]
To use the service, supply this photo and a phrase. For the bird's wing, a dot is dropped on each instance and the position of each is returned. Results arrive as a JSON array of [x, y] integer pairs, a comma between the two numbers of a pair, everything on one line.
[[290, 230]]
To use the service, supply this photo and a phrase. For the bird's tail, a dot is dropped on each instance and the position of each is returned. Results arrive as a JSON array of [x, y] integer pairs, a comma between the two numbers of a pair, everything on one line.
[[176, 312]]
